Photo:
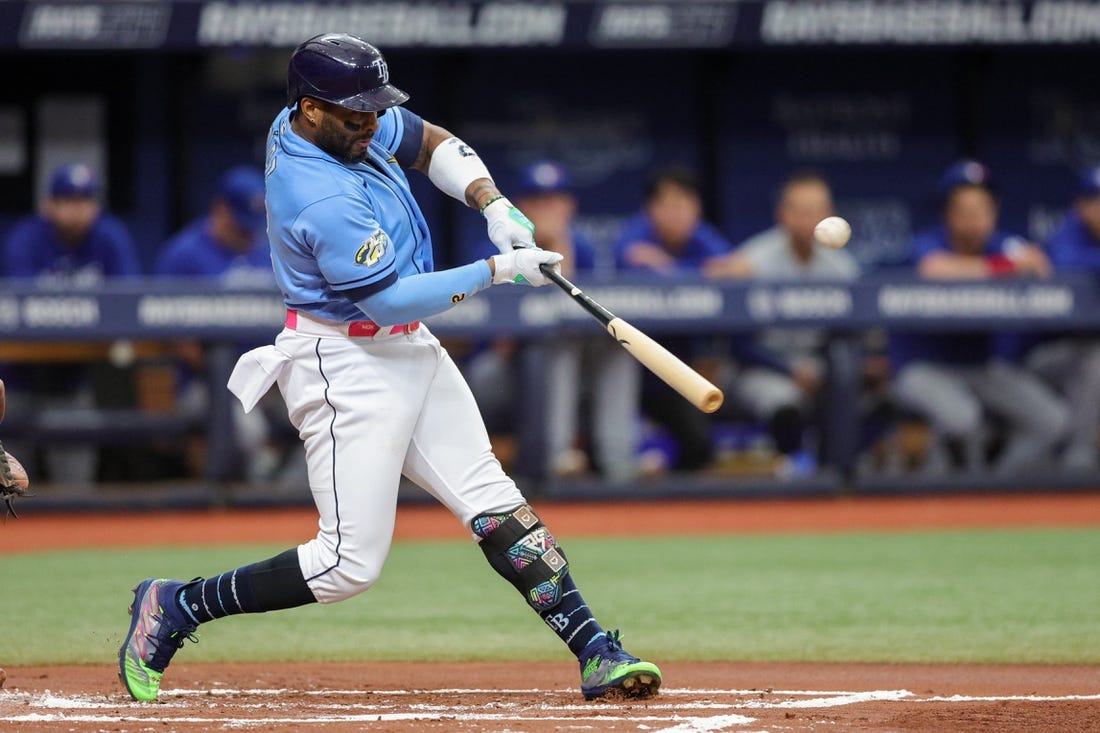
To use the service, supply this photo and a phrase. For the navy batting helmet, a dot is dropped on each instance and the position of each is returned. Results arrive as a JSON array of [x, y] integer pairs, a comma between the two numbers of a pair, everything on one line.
[[344, 70]]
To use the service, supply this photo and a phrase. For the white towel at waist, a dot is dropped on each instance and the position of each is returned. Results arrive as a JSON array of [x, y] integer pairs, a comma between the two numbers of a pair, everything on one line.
[[254, 374]]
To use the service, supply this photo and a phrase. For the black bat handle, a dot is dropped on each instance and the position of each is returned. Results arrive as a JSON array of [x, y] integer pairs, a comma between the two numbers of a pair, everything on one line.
[[557, 278], [601, 314]]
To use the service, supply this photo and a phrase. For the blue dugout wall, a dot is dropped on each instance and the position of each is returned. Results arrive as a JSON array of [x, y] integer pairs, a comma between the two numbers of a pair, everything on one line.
[[880, 100]]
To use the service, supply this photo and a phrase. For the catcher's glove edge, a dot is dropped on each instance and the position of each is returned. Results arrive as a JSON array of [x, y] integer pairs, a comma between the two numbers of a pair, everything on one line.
[[13, 481]]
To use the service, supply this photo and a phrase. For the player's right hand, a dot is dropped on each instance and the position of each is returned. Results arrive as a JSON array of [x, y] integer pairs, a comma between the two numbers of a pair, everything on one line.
[[521, 266], [509, 228]]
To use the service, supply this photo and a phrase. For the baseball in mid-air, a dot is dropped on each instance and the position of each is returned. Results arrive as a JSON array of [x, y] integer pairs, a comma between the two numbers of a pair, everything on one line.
[[833, 231]]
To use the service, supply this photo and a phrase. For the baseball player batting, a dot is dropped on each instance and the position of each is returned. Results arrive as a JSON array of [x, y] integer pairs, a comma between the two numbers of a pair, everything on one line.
[[371, 391]]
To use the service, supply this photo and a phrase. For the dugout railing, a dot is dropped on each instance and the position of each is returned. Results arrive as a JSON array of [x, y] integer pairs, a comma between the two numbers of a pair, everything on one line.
[[161, 312]]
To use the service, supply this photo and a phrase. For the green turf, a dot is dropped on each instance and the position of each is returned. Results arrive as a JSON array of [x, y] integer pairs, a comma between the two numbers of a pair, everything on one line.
[[1003, 596]]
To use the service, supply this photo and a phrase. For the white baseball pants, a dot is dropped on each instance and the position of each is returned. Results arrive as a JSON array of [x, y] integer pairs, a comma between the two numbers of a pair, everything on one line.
[[368, 410]]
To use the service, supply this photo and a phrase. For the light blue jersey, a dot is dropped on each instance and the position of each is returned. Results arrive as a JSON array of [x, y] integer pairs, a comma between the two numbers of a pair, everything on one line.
[[340, 228]]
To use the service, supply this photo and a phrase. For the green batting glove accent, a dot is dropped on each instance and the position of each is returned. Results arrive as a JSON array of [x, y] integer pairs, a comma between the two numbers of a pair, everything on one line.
[[521, 280], [520, 218]]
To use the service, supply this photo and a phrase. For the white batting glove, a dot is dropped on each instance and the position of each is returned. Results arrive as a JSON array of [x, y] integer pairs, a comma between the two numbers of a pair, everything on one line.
[[509, 228], [521, 266]]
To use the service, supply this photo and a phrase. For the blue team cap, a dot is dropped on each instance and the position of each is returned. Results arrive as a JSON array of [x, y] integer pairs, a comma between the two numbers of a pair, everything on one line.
[[242, 188], [73, 180], [965, 173], [544, 176], [1088, 182]]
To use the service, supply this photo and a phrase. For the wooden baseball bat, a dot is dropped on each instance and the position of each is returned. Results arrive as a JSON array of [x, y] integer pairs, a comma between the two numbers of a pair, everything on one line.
[[656, 358]]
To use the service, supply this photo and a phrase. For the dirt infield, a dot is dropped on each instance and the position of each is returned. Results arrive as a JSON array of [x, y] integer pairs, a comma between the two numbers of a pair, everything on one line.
[[417, 521], [543, 696]]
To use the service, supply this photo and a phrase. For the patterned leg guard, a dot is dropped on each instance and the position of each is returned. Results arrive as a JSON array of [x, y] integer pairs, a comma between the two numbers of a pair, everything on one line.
[[522, 551]]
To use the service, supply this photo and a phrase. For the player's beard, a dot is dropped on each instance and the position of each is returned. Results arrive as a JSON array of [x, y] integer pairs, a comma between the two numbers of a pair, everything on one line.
[[335, 141]]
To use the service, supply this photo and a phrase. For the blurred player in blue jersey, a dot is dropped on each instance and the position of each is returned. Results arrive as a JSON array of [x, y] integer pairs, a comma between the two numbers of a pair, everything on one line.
[[669, 236], [952, 379], [371, 391], [669, 233], [72, 243], [228, 244], [227, 247], [1071, 361]]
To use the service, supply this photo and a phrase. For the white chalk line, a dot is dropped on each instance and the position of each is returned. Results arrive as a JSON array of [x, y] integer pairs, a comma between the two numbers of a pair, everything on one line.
[[1007, 698], [51, 701], [726, 720], [830, 702], [482, 691], [506, 711]]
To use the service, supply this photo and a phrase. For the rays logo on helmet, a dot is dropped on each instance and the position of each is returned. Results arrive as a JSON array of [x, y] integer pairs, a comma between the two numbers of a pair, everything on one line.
[[383, 69], [372, 250]]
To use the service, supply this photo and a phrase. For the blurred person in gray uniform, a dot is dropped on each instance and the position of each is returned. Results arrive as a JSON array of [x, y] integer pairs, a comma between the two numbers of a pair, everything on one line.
[[611, 380], [954, 379], [1071, 361], [782, 369]]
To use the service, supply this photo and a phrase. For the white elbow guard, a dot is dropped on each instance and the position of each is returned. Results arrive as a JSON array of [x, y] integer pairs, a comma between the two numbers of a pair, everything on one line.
[[454, 166]]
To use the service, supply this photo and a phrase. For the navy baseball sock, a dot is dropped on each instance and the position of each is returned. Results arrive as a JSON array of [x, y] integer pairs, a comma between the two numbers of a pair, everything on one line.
[[572, 619], [268, 585]]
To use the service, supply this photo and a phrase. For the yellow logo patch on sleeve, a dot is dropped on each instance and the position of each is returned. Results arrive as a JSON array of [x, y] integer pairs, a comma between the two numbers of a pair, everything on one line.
[[372, 249]]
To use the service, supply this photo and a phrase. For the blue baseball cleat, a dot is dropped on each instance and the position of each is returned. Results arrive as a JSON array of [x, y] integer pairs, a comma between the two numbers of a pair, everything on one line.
[[607, 670], [157, 629]]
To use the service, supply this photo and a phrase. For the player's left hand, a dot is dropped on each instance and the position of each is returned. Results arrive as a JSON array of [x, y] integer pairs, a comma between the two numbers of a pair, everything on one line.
[[509, 228], [522, 266]]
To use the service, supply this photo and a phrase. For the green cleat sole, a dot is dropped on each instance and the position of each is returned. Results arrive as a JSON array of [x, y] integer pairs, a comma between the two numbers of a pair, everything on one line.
[[642, 680]]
